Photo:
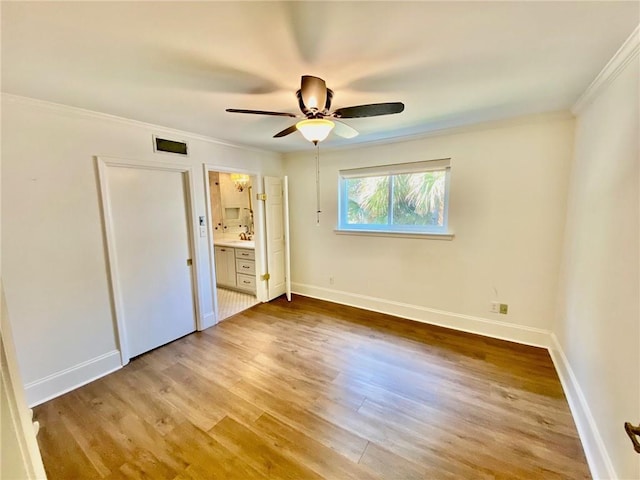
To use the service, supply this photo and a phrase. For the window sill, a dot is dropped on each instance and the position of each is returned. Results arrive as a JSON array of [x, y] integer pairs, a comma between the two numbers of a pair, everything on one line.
[[377, 233]]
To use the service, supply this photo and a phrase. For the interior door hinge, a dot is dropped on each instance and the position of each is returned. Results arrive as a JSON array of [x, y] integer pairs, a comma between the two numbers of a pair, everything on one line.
[[261, 196], [189, 262], [266, 276]]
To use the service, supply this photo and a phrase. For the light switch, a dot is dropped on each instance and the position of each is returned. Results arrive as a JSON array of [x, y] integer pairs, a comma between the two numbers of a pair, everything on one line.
[[203, 231]]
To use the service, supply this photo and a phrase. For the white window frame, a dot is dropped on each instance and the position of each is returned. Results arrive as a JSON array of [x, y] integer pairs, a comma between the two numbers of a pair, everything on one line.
[[421, 231]]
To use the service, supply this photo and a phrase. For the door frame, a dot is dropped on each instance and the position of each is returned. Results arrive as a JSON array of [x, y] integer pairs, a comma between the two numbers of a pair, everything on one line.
[[102, 163], [259, 230]]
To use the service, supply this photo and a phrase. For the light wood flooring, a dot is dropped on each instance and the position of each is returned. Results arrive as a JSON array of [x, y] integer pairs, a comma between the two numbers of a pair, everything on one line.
[[310, 389]]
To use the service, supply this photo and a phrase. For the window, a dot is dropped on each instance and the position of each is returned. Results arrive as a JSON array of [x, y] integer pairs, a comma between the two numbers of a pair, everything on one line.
[[401, 198]]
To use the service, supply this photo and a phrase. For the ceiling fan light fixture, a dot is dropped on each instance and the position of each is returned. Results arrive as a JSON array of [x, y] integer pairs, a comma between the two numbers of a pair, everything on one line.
[[315, 129]]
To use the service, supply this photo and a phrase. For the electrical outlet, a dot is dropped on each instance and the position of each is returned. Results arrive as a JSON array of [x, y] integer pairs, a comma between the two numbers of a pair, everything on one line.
[[495, 307], [504, 308]]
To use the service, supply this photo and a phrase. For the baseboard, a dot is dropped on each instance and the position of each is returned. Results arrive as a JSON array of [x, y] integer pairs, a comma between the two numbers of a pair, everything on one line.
[[482, 326], [594, 448], [54, 385]]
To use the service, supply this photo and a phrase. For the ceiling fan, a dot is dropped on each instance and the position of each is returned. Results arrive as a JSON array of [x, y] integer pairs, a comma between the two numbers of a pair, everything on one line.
[[314, 100]]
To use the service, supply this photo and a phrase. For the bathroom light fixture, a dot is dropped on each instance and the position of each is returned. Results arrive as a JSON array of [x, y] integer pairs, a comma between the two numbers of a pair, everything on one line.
[[315, 129], [240, 181]]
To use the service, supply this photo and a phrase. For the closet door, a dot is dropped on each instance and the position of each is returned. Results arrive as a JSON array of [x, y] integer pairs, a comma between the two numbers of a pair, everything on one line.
[[148, 229]]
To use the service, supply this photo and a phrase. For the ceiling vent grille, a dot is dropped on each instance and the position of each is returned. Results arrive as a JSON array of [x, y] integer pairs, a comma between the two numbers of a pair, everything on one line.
[[169, 146]]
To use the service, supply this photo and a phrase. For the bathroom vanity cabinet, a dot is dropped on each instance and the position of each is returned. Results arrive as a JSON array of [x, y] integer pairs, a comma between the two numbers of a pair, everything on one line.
[[235, 268]]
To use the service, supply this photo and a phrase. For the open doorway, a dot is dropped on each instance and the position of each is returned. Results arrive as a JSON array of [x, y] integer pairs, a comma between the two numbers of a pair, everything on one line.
[[233, 225]]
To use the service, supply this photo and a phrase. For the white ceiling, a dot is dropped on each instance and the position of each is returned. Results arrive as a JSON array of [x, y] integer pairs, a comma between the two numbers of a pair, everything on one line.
[[180, 64]]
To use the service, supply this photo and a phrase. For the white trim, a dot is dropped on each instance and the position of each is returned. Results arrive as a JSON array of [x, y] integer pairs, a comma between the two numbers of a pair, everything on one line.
[[193, 228], [210, 245], [260, 237], [64, 381], [376, 233], [611, 70], [594, 447], [82, 112], [536, 337], [208, 320], [105, 203]]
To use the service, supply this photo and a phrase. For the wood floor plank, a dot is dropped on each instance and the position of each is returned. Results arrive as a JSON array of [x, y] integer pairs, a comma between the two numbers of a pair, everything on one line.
[[206, 457], [75, 464], [480, 445], [162, 415], [298, 416], [261, 453], [390, 465], [309, 452], [394, 438], [218, 401], [310, 389]]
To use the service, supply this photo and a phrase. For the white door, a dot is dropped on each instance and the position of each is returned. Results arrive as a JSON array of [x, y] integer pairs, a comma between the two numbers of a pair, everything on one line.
[[149, 245], [277, 261], [287, 247]]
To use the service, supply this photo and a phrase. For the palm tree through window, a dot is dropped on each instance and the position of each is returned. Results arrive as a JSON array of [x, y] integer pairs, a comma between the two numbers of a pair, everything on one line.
[[402, 199]]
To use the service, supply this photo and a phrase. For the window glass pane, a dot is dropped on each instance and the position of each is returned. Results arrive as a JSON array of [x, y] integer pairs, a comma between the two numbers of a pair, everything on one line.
[[367, 200], [418, 198], [406, 201]]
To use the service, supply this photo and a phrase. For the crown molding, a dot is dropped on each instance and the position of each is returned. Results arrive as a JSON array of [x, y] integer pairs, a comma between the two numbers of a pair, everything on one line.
[[81, 112], [625, 54]]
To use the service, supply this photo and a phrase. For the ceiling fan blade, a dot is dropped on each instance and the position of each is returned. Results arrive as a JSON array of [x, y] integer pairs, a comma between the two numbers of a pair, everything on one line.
[[286, 131], [262, 112], [371, 110], [343, 130], [313, 91]]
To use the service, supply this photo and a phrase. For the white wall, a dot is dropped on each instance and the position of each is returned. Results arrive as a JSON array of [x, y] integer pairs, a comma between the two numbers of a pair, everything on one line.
[[54, 266], [19, 454], [507, 204], [598, 324]]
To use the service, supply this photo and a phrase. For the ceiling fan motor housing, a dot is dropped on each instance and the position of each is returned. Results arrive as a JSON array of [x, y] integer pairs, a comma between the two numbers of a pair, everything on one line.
[[312, 112]]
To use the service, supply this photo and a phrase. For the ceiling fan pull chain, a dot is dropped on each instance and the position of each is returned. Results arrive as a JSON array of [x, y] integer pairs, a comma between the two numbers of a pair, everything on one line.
[[318, 211]]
